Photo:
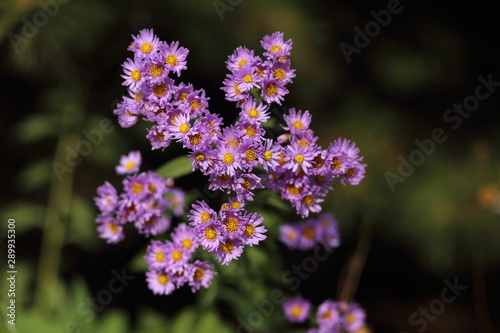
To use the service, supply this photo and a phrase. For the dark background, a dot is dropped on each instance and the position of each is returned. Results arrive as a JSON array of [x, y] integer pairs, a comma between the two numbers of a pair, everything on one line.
[[62, 77]]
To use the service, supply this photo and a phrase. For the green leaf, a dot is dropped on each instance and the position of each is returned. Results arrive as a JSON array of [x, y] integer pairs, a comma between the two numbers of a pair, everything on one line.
[[37, 127], [175, 168], [184, 322], [27, 215], [35, 175]]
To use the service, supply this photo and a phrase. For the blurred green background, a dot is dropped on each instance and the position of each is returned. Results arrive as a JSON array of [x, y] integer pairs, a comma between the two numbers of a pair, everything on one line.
[[61, 66]]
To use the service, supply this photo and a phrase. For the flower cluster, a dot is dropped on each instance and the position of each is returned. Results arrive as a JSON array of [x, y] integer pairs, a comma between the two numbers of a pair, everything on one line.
[[226, 233], [145, 199], [250, 72], [306, 234], [331, 316], [305, 171], [170, 266]]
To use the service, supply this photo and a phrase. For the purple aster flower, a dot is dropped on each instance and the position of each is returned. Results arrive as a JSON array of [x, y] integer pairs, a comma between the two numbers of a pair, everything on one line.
[[252, 112], [127, 112], [328, 228], [275, 46], [233, 224], [296, 309], [253, 232], [182, 92], [196, 103], [201, 275], [210, 235], [289, 235], [109, 229], [354, 174], [353, 317], [247, 78], [174, 57], [309, 234], [156, 255], [309, 202], [297, 121], [133, 74], [242, 57], [159, 136], [107, 198], [249, 130], [230, 158], [346, 147], [233, 91], [152, 224], [273, 91], [154, 72], [129, 163], [184, 236], [245, 184], [176, 257], [328, 315], [135, 186], [299, 157], [228, 250], [201, 214], [145, 44], [198, 136], [281, 72], [269, 157], [155, 185], [159, 282], [215, 123], [180, 126], [202, 159]]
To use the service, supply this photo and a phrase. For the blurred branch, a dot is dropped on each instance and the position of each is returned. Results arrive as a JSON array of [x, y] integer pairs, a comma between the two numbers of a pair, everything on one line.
[[354, 267]]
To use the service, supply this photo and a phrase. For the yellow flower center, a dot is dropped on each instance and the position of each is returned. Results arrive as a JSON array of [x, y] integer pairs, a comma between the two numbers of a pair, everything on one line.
[[171, 60], [130, 165], [279, 74], [246, 184], [152, 188], [195, 139], [350, 318], [336, 163], [248, 78], [146, 47], [150, 222], [162, 279], [183, 96], [186, 243], [327, 315], [160, 90], [228, 158], [232, 143], [136, 188], [235, 205], [242, 63], [249, 230], [184, 128], [177, 255], [293, 190], [156, 70], [271, 90], [250, 131], [296, 311], [298, 124], [308, 200], [268, 155], [250, 155], [195, 104], [224, 178], [227, 247], [291, 235], [275, 48], [113, 228], [299, 158], [205, 216], [138, 96], [253, 113], [237, 90], [281, 160], [232, 224], [200, 157], [210, 234], [199, 273], [309, 233], [160, 256], [135, 75], [318, 162], [350, 173]]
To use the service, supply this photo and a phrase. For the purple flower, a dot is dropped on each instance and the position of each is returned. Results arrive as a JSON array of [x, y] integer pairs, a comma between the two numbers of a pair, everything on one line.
[[201, 214], [252, 112], [107, 198], [133, 74], [354, 174], [228, 250], [242, 57], [253, 232], [353, 317], [273, 91], [275, 46], [174, 57], [145, 44], [184, 235], [109, 229], [296, 309], [210, 235], [281, 72], [297, 156], [152, 224], [177, 200], [310, 234], [297, 121], [201, 274], [156, 255], [159, 136], [127, 112], [247, 78], [289, 235], [129, 163], [159, 282], [176, 257], [328, 315]]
